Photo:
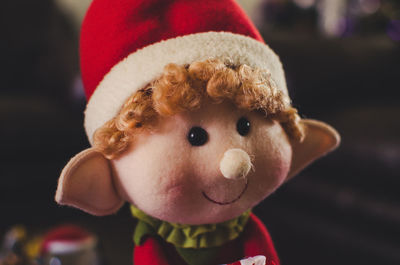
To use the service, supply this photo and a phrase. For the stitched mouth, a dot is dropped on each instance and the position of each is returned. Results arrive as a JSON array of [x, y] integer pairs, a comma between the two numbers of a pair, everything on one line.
[[228, 202]]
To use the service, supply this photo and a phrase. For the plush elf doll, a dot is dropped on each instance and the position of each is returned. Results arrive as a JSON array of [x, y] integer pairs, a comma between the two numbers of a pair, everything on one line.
[[190, 123]]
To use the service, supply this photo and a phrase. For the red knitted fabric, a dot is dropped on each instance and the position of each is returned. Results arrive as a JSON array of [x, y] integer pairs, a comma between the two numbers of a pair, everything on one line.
[[114, 29]]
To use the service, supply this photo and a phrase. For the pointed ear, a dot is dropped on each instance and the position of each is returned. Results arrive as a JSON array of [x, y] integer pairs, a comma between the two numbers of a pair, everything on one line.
[[86, 183], [320, 139]]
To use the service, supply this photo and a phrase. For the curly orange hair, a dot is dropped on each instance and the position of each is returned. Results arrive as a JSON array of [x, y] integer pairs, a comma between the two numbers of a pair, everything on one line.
[[183, 88]]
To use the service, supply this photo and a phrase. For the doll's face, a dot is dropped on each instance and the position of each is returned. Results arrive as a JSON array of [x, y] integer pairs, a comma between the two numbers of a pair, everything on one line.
[[174, 172]]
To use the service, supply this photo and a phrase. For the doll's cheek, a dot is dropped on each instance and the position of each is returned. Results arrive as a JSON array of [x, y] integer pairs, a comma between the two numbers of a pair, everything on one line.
[[149, 182], [152, 174], [272, 159]]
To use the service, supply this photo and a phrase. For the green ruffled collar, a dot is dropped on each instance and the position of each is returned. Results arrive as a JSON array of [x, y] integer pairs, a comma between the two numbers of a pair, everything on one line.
[[189, 236]]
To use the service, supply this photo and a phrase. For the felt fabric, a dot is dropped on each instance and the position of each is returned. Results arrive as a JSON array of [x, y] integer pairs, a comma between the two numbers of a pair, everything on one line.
[[86, 183], [254, 240], [152, 252], [125, 46], [112, 31], [141, 68], [257, 241], [166, 177], [193, 256], [189, 236], [320, 139]]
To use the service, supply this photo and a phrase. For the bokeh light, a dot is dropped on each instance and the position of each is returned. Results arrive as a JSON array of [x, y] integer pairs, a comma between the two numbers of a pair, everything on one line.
[[393, 30]]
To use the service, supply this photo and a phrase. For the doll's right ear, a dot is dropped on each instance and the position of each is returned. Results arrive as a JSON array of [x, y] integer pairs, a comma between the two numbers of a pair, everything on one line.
[[87, 183]]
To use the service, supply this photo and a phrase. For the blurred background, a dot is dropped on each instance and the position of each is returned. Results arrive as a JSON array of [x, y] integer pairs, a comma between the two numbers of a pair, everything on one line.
[[342, 61]]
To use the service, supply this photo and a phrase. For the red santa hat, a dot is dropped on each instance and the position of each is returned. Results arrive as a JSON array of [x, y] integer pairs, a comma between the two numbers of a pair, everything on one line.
[[125, 45], [67, 239]]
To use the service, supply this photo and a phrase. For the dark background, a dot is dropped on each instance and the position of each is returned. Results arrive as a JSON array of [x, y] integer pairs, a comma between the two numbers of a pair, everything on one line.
[[344, 209]]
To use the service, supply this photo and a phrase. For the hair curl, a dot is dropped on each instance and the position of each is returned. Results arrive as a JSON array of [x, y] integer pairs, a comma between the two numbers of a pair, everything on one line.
[[182, 88]]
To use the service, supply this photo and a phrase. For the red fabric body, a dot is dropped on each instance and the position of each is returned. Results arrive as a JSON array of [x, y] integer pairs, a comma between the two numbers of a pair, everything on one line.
[[114, 29], [255, 240], [152, 252]]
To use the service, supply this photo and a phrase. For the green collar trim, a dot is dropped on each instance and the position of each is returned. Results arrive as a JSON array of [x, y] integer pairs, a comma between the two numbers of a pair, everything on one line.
[[189, 236]]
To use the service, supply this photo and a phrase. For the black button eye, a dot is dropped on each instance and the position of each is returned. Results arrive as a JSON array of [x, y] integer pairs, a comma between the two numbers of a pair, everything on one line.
[[243, 126], [197, 136]]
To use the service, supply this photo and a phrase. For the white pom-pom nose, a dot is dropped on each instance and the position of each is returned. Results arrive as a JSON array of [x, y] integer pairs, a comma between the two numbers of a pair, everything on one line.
[[235, 164]]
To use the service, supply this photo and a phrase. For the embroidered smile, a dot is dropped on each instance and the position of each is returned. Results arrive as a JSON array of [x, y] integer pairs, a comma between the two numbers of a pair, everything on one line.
[[229, 202]]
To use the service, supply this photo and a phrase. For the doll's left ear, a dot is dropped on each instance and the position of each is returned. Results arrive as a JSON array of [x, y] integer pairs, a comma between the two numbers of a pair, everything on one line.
[[320, 139]]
